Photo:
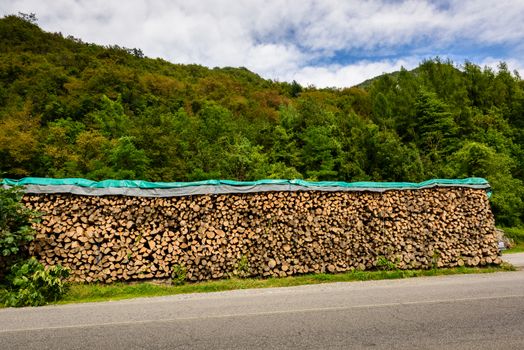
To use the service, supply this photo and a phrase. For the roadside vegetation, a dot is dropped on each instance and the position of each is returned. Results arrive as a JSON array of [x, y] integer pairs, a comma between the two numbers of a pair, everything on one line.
[[79, 293], [23, 280], [516, 234]]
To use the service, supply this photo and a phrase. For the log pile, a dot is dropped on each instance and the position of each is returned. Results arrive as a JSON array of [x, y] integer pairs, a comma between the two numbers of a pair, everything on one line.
[[118, 238]]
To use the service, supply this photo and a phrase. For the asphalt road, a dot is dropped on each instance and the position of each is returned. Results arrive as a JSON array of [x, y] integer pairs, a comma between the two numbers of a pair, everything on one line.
[[516, 260], [448, 312]]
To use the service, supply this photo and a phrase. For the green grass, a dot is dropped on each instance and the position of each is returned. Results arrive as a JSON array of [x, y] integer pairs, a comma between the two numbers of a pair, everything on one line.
[[517, 235], [80, 293], [519, 248]]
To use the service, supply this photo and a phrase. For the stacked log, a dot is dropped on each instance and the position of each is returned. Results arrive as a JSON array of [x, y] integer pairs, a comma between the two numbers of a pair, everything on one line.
[[119, 238]]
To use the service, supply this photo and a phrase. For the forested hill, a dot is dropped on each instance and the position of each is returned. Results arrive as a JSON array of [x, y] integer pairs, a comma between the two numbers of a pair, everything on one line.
[[72, 109]]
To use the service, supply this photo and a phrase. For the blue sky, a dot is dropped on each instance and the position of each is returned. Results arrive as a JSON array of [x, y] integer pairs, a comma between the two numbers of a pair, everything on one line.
[[328, 43]]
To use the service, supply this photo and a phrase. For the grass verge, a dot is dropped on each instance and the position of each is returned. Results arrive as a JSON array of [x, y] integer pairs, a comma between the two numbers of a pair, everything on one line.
[[80, 293], [517, 235], [518, 248]]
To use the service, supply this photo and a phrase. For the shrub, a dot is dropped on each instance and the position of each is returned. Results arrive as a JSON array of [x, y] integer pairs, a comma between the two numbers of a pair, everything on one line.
[[15, 223], [179, 275], [30, 284], [382, 263], [515, 233], [27, 282], [242, 267]]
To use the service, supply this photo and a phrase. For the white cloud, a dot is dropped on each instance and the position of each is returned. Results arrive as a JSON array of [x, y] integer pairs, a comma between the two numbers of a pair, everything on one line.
[[284, 39], [368, 25], [349, 75], [492, 22], [513, 64]]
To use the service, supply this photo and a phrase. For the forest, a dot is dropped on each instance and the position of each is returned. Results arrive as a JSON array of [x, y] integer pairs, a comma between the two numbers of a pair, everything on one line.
[[75, 109]]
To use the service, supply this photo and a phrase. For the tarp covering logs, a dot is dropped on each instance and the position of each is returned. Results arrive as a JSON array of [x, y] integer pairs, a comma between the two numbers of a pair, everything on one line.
[[259, 229]]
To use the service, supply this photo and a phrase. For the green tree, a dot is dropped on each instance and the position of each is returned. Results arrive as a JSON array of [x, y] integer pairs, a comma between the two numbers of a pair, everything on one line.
[[244, 161], [320, 153], [18, 141], [93, 149], [435, 133], [127, 161], [477, 159], [382, 111], [59, 149], [110, 118]]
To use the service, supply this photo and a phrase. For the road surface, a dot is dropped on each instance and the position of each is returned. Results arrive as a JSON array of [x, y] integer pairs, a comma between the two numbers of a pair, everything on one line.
[[484, 311], [516, 260]]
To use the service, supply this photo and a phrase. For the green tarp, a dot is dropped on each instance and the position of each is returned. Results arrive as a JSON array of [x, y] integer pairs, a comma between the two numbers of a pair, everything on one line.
[[168, 189]]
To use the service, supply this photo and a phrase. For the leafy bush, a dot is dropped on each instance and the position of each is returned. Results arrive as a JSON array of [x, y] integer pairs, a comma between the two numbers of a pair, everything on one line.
[[382, 263], [27, 282], [15, 228], [15, 222], [515, 233], [30, 284], [242, 267], [179, 275]]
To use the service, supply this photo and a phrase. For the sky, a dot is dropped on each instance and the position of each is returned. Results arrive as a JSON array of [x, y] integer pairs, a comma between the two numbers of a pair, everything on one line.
[[325, 43]]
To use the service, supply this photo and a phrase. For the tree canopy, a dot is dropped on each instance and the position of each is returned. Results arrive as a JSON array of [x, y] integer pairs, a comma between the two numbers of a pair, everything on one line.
[[74, 109]]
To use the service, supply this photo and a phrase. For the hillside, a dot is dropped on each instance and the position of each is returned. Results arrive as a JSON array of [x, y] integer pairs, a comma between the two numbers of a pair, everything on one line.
[[73, 109]]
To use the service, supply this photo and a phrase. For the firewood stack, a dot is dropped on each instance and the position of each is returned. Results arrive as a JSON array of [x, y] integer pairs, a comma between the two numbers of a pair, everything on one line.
[[119, 238]]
